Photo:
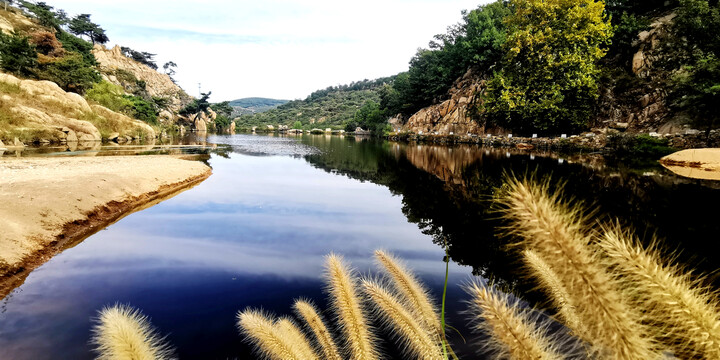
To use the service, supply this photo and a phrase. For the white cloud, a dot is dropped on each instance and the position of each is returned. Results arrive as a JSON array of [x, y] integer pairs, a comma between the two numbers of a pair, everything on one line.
[[274, 48]]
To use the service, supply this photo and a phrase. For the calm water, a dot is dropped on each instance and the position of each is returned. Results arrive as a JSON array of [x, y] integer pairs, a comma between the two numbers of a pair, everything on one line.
[[255, 234]]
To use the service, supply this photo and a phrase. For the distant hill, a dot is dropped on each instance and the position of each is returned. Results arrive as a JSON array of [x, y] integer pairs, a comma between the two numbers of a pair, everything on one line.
[[332, 107], [255, 105]]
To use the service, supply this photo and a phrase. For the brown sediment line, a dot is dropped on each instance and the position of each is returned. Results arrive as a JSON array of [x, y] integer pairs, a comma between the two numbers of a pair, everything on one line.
[[75, 232]]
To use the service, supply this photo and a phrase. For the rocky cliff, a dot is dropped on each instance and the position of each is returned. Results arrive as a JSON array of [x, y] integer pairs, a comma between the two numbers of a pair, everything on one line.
[[128, 73], [452, 116], [632, 100], [41, 112]]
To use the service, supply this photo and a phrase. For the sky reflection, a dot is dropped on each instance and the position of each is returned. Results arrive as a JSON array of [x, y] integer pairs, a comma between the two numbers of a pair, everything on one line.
[[254, 234]]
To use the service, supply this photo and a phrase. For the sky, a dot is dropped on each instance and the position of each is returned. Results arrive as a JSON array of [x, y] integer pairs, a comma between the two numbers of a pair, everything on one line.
[[282, 49]]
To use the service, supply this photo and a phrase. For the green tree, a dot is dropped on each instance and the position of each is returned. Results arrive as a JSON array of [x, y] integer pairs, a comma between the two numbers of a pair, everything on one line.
[[140, 56], [549, 76], [81, 25], [476, 42], [17, 55], [297, 125], [223, 108], [70, 72], [45, 15]]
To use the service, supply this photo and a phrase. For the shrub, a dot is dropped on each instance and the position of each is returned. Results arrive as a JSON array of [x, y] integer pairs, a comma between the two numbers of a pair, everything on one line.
[[74, 44], [70, 72], [47, 44], [110, 96], [17, 55]]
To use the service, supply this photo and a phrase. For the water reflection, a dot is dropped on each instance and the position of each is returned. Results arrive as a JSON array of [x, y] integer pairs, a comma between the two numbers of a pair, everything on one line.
[[255, 233]]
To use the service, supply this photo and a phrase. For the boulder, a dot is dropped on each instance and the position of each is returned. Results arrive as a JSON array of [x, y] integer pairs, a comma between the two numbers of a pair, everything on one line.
[[638, 62], [71, 137], [200, 124], [114, 136], [232, 126]]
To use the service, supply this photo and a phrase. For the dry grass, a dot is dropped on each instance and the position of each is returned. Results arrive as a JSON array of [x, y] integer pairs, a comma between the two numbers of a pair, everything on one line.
[[513, 333], [414, 295], [559, 234], [550, 283], [273, 342], [123, 333], [307, 311], [348, 308], [415, 337], [684, 312], [32, 117]]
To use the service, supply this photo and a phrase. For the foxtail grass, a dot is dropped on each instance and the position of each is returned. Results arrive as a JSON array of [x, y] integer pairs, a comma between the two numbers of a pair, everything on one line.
[[684, 312], [349, 312], [308, 313], [550, 283], [513, 334], [415, 338], [124, 333], [559, 233], [414, 295], [294, 336], [273, 342]]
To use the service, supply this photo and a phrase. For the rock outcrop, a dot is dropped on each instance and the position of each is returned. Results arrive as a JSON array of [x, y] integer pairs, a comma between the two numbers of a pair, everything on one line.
[[452, 116], [41, 112], [113, 65]]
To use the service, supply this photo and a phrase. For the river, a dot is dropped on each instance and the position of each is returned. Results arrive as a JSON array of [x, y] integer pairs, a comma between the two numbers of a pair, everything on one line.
[[256, 232]]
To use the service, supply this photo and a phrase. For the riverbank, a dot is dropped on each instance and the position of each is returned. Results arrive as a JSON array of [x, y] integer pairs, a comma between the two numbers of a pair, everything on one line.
[[50, 204], [607, 140]]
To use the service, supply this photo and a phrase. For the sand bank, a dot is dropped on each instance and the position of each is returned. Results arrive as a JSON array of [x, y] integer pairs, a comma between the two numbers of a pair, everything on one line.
[[50, 204]]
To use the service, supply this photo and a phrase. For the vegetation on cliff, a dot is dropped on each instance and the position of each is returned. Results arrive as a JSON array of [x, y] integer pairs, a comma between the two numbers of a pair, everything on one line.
[[547, 72], [334, 107], [39, 42]]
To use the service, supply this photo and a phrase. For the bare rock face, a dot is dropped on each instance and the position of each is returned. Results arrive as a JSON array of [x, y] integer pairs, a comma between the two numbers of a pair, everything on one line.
[[200, 124], [451, 117], [232, 126], [157, 84], [45, 113]]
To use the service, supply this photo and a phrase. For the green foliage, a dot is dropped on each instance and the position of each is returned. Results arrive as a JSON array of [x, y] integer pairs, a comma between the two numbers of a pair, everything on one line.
[[140, 56], [698, 22], [255, 105], [223, 108], [332, 107], [222, 122], [45, 15], [142, 109], [297, 125], [82, 26], [627, 26], [109, 95], [369, 116], [549, 76], [74, 44], [476, 42], [114, 98], [17, 55], [197, 105], [643, 145], [70, 72], [696, 90]]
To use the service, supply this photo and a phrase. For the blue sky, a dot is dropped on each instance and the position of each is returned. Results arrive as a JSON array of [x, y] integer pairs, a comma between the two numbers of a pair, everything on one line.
[[274, 48]]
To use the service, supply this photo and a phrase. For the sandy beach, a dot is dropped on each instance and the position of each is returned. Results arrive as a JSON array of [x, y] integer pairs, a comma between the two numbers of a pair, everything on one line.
[[50, 204]]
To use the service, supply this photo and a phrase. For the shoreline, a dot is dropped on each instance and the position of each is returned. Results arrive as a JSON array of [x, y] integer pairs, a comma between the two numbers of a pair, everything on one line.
[[41, 229]]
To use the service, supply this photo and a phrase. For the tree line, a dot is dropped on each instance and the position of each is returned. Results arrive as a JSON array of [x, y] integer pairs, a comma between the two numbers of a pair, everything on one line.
[[543, 61]]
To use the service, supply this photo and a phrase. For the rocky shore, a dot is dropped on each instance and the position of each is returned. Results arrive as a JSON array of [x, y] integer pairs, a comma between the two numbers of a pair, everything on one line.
[[50, 204], [601, 140]]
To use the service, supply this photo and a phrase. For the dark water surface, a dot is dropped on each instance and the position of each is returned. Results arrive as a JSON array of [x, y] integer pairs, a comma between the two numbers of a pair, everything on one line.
[[255, 234]]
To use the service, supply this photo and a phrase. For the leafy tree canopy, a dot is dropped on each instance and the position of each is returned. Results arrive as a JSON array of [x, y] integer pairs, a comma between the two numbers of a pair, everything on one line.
[[549, 76]]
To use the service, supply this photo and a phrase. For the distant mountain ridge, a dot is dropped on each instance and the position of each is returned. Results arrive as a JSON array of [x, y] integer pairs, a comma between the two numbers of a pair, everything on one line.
[[255, 105]]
